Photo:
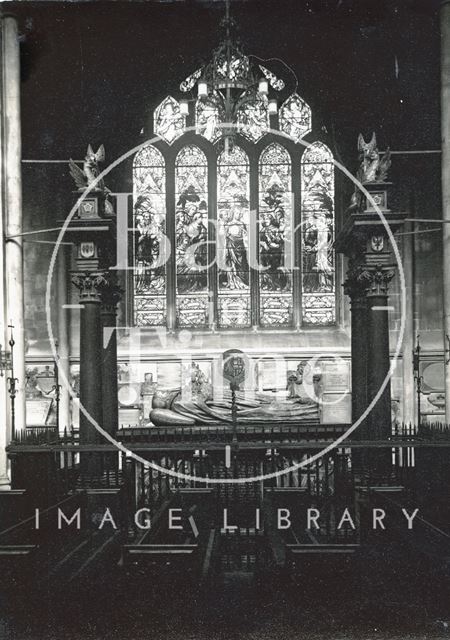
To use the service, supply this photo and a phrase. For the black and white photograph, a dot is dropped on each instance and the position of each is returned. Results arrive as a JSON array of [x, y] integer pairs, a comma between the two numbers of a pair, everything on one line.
[[225, 319]]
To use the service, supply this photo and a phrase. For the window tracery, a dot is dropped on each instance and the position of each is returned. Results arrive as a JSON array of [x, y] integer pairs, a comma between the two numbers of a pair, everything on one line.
[[212, 274], [318, 278]]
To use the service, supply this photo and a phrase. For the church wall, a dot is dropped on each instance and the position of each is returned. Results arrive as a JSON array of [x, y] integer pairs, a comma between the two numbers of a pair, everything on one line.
[[110, 95]]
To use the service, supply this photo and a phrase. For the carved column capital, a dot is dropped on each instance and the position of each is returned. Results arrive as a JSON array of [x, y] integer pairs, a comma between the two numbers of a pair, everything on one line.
[[90, 285], [378, 279], [110, 294], [356, 283]]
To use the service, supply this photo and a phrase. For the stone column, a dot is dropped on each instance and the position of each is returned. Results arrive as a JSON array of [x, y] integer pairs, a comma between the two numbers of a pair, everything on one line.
[[355, 287], [4, 400], [445, 168], [12, 189], [111, 294], [63, 336], [91, 353], [409, 395], [378, 351]]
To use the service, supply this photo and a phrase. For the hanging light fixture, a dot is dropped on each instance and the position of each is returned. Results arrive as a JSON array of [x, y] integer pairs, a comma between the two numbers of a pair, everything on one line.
[[184, 107], [202, 88], [273, 106], [230, 82], [263, 86]]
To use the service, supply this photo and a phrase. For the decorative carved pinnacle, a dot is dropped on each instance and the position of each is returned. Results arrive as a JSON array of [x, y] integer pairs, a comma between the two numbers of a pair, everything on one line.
[[89, 285]]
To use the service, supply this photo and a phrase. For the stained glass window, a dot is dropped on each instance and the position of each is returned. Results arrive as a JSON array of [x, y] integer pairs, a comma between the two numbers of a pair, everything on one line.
[[275, 224], [233, 211], [191, 236], [275, 82], [189, 83], [228, 292], [169, 122], [208, 116], [295, 117], [237, 69], [253, 118], [318, 278], [149, 197]]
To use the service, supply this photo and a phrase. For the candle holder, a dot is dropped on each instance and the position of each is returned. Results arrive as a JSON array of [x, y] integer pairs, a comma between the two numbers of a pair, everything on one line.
[[12, 381], [417, 378], [234, 371]]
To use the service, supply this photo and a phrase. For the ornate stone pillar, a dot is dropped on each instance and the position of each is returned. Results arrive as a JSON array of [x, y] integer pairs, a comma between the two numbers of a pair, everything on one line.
[[365, 241], [63, 335], [90, 285], [379, 362], [445, 168], [93, 231], [355, 287], [11, 145], [110, 295]]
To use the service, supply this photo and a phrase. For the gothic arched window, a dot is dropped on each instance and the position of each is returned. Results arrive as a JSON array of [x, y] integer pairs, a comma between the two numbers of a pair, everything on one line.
[[318, 277], [233, 219], [247, 230], [275, 224], [191, 237], [149, 196]]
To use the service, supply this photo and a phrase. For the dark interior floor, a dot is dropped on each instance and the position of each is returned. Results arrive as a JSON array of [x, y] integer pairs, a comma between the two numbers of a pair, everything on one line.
[[376, 598]]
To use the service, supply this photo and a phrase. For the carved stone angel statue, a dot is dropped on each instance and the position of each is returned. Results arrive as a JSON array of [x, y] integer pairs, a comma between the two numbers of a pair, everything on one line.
[[86, 176], [372, 167]]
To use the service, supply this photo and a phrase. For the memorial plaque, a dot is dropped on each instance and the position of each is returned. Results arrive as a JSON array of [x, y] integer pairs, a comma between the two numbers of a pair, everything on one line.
[[38, 411], [336, 408], [129, 418], [335, 377], [273, 376]]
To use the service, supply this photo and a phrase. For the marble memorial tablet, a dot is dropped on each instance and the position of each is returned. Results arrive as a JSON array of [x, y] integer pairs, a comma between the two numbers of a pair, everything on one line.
[[38, 411], [336, 408], [335, 377]]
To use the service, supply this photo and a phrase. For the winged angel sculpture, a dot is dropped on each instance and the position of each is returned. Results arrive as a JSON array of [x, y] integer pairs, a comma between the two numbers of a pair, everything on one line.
[[87, 176], [372, 167]]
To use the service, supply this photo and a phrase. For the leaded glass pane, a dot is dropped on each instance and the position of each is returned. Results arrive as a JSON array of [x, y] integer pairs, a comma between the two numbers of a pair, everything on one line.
[[233, 202], [208, 116], [275, 224], [274, 81], [191, 232], [169, 122], [253, 118], [318, 278], [236, 69], [189, 82], [149, 197], [295, 117]]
